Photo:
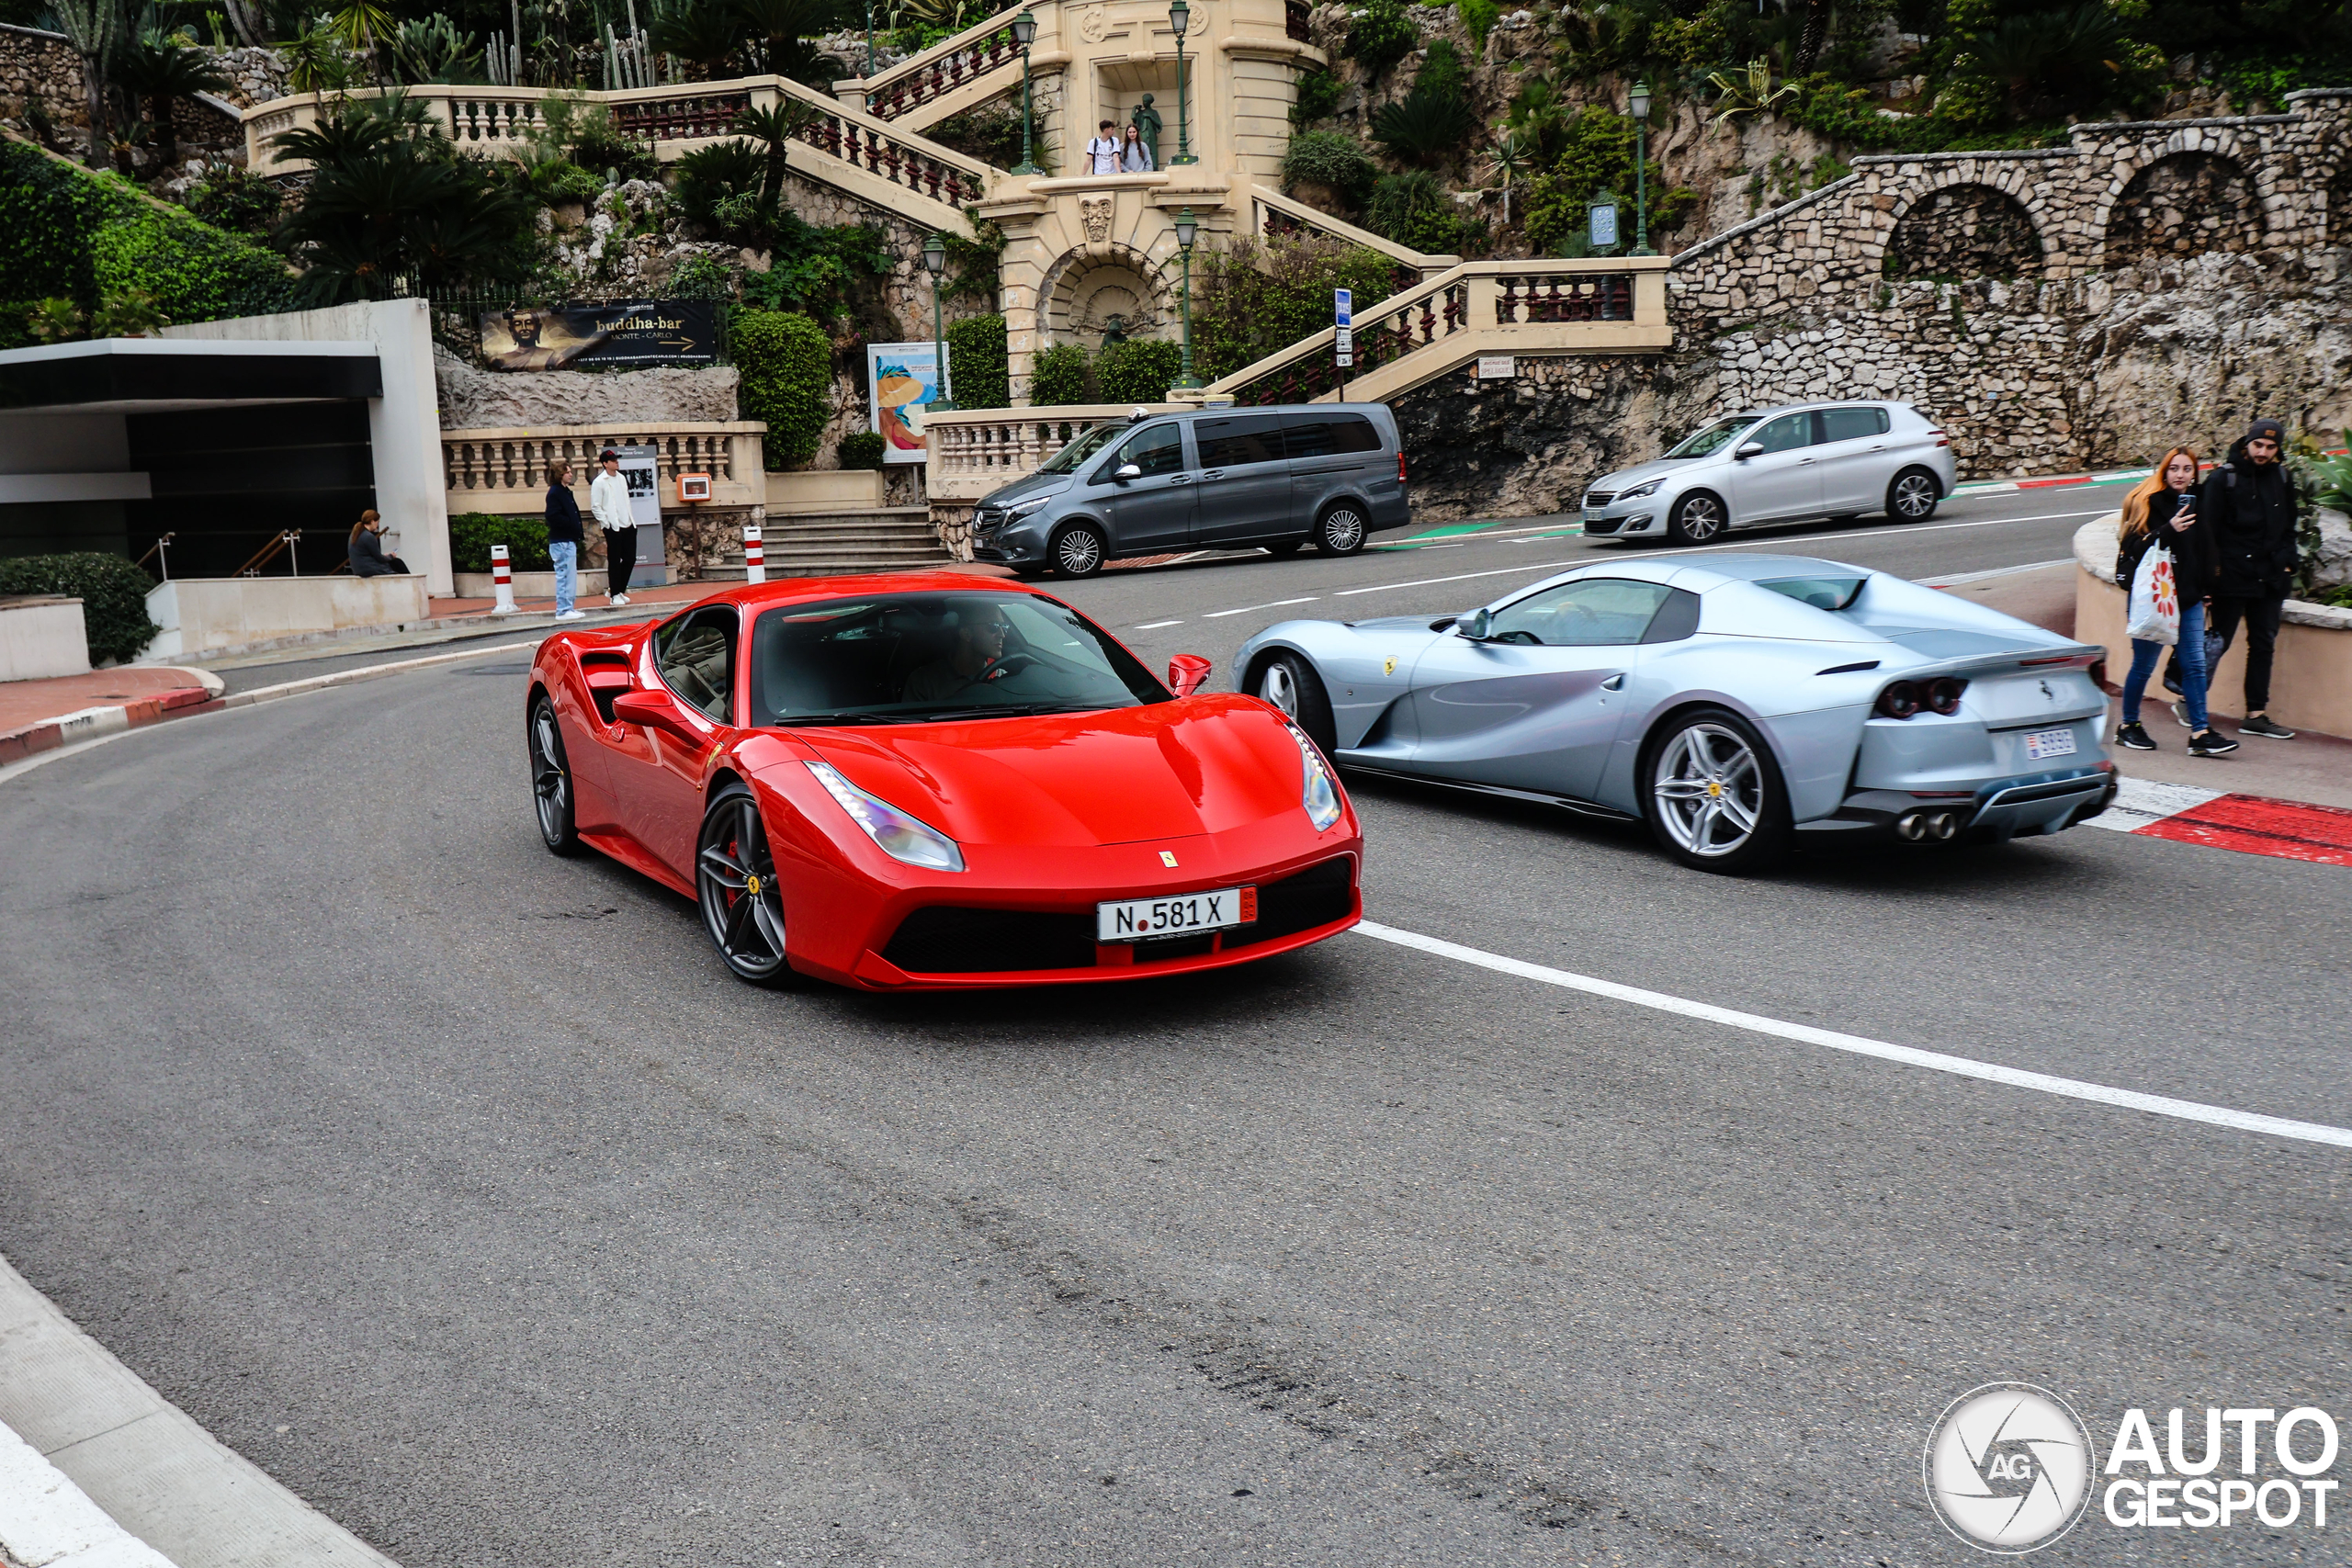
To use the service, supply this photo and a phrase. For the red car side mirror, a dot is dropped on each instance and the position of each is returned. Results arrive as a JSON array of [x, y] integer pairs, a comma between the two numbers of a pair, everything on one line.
[[1187, 672], [652, 710]]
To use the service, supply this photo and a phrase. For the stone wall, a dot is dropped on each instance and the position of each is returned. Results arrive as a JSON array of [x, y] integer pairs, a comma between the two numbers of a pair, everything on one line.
[[41, 67]]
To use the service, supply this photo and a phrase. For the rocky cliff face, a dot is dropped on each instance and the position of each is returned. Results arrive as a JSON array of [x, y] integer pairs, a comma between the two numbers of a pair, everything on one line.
[[474, 399]]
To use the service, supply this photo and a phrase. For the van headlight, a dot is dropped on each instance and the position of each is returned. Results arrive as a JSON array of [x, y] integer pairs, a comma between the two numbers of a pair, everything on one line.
[[1023, 508], [902, 837], [1640, 490], [1320, 794]]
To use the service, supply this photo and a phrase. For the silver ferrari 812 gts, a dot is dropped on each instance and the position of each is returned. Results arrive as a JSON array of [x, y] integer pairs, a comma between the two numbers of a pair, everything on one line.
[[1741, 705]]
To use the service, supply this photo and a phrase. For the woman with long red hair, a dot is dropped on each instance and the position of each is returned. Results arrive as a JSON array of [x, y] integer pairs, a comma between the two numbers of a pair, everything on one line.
[[2162, 511]]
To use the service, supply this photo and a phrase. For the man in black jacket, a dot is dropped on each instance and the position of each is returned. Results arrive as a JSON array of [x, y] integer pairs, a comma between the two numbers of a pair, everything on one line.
[[564, 536], [2249, 502]]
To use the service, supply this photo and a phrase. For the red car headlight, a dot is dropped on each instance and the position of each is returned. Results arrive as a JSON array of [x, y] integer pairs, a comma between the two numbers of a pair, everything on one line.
[[902, 836]]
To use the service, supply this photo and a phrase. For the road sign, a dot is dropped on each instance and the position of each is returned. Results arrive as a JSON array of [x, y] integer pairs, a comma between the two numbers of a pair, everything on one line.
[[1343, 308], [1346, 342]]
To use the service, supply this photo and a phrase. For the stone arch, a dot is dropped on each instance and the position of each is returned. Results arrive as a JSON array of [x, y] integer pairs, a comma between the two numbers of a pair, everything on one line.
[[1090, 288], [2339, 205], [1964, 230], [2184, 204]]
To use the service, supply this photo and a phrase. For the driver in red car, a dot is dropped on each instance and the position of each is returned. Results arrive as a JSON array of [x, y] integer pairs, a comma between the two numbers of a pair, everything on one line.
[[979, 643]]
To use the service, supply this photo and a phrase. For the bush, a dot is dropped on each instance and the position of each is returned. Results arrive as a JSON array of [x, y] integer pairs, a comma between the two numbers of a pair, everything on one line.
[[1479, 16], [1057, 379], [1319, 93], [233, 199], [864, 449], [1598, 156], [1380, 35], [978, 376], [1414, 208], [67, 232], [472, 533], [113, 593], [1332, 158], [1139, 370], [786, 365], [1257, 296]]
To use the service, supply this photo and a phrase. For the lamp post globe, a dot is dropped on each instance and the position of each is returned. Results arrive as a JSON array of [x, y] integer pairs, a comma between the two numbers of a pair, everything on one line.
[[1187, 231], [1179, 17], [934, 262], [1024, 33]]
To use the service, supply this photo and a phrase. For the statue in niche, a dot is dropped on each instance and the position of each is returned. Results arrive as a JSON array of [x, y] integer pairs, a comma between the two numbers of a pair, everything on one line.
[[1147, 121]]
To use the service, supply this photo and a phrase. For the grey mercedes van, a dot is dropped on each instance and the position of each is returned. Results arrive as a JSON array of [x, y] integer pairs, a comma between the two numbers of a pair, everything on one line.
[[1211, 478]]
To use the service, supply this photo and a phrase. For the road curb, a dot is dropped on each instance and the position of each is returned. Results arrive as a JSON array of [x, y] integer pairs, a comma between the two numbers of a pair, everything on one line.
[[135, 1455], [46, 1521]]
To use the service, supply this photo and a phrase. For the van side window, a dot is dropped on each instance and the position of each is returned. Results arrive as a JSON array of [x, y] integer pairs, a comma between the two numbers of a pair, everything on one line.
[[1317, 435], [1852, 424], [1156, 450], [1245, 438]]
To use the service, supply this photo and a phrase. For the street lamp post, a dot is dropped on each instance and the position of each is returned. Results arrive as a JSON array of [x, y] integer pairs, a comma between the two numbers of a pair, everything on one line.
[[1639, 100], [1186, 229], [1180, 17], [1024, 30], [934, 262], [869, 39]]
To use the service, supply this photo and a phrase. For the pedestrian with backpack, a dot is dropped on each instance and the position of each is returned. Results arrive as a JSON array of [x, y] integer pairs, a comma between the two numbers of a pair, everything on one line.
[[2250, 503], [2164, 561]]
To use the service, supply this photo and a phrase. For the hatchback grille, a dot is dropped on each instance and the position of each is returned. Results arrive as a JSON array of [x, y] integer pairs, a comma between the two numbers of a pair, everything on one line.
[[1599, 497]]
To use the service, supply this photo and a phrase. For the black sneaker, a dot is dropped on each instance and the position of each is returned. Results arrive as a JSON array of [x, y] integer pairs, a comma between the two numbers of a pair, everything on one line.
[[2262, 726], [2180, 715], [2134, 738], [2212, 743]]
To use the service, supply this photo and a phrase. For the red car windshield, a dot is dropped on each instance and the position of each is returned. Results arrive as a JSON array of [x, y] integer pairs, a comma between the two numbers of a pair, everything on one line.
[[911, 657]]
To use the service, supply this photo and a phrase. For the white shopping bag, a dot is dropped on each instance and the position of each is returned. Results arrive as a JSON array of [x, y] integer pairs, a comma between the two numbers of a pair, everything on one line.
[[2155, 613]]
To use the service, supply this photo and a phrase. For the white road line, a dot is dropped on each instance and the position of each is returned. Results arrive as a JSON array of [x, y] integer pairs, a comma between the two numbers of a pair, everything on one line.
[[1750, 545], [1960, 1066], [2140, 802], [1155, 625], [1245, 609], [1958, 578]]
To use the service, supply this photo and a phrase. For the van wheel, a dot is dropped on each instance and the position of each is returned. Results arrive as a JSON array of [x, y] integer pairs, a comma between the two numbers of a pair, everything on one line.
[[1696, 518], [1078, 551], [1914, 496], [1340, 530], [1288, 684]]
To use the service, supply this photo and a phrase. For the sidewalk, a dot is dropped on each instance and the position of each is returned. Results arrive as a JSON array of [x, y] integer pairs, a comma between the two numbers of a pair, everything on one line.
[[40, 716]]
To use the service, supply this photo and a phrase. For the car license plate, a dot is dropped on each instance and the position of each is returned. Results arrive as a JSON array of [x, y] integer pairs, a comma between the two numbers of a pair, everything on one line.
[[2043, 743], [1132, 919]]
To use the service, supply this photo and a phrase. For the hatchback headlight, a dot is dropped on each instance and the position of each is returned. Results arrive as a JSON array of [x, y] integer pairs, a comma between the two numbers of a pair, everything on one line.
[[1640, 490], [902, 837], [1320, 792]]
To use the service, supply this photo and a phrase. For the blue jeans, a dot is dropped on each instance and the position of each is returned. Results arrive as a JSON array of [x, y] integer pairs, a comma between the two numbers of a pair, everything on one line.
[[2193, 673], [565, 556]]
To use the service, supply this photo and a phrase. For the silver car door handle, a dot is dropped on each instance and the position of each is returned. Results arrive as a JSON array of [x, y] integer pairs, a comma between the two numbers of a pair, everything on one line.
[[1803, 462], [1614, 684]]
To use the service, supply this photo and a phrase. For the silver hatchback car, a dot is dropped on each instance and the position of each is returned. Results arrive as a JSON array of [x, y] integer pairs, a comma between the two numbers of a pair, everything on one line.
[[1783, 464]]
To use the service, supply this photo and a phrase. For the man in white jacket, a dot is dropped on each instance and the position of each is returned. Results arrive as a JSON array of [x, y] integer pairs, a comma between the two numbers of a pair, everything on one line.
[[608, 503]]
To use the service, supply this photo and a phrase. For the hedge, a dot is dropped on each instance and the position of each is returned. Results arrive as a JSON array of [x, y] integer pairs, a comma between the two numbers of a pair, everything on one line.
[[1057, 379], [977, 372], [472, 533], [64, 231], [786, 365], [864, 449], [1140, 370], [113, 593]]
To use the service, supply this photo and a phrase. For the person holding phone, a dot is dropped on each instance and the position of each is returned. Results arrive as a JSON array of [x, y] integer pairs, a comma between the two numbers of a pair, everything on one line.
[[2162, 510]]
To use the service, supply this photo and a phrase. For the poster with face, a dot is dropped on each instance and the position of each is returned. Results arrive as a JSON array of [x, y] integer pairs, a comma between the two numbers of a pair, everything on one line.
[[902, 381], [621, 332]]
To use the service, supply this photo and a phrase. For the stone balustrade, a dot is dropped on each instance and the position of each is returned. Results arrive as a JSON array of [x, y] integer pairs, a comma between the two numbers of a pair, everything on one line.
[[506, 470], [973, 451]]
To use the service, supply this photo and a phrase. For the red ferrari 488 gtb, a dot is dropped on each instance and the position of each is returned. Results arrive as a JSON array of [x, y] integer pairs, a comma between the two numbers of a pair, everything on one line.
[[932, 780]]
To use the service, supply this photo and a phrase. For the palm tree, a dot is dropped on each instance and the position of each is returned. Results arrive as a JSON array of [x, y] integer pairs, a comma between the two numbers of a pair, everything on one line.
[[784, 24], [162, 71], [773, 128], [700, 32], [1507, 162], [92, 27]]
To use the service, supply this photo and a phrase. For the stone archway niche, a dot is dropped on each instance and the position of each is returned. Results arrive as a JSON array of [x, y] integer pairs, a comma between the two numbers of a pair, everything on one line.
[[1101, 288], [2184, 204], [1964, 230]]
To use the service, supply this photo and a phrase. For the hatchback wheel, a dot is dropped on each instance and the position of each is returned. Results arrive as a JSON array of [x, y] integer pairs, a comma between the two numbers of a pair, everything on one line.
[[551, 779], [1713, 796], [1696, 518], [735, 883], [1340, 530], [1914, 496], [1078, 551], [1288, 683]]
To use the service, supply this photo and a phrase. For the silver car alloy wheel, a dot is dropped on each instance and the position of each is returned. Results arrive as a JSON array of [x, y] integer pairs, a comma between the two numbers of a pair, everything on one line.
[[1700, 518], [1342, 529], [1709, 789], [1279, 689], [1915, 496]]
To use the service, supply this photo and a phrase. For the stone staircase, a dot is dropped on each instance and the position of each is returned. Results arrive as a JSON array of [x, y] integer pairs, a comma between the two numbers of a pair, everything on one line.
[[836, 543]]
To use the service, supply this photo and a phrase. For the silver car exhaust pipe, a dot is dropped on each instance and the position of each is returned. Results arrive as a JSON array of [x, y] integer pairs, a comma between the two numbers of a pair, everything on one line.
[[1913, 826]]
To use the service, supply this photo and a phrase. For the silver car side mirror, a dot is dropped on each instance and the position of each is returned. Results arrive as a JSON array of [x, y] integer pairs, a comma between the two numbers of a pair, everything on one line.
[[1126, 471], [1474, 624], [1751, 449]]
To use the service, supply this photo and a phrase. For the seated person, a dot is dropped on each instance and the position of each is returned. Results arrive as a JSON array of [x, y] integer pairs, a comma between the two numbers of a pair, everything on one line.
[[980, 644]]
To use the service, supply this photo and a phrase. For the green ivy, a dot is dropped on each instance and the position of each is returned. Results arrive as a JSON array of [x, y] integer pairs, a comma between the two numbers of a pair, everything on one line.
[[1259, 296], [1598, 156], [785, 363], [1479, 18], [1319, 93], [864, 449], [65, 232], [1139, 370], [978, 370], [1380, 35], [113, 593], [1058, 378], [472, 533]]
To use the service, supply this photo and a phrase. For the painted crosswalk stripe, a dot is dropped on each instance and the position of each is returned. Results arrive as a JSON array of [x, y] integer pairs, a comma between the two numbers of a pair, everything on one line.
[[2249, 824]]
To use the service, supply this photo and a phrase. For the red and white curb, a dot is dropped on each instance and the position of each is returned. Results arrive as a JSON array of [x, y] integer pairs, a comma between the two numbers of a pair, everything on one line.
[[2004, 487], [46, 1521], [2250, 824]]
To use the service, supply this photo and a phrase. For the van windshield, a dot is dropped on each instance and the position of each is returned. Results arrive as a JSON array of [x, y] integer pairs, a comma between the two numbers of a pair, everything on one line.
[[1088, 442], [1714, 438]]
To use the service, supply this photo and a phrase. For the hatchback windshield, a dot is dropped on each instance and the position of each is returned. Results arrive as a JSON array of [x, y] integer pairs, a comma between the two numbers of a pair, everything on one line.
[[908, 658], [1088, 443], [1714, 437]]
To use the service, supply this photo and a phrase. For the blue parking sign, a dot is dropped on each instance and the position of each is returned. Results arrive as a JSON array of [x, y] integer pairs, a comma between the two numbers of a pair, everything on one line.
[[1343, 307]]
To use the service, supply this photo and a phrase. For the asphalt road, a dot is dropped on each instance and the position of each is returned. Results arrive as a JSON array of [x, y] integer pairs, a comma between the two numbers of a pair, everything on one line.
[[457, 1186]]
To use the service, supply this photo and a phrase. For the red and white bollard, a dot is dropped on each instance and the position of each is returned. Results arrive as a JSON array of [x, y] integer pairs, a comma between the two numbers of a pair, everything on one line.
[[501, 577], [755, 555]]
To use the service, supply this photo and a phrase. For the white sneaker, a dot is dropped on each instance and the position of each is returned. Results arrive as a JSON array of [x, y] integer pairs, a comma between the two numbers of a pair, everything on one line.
[[573, 616], [619, 599]]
